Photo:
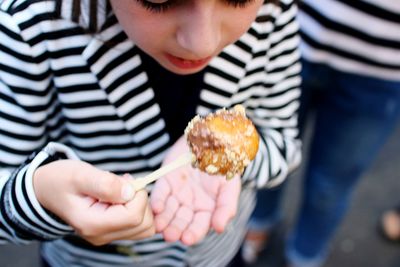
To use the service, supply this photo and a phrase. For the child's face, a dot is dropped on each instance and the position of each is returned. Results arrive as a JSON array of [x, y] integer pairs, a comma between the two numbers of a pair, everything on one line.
[[183, 35]]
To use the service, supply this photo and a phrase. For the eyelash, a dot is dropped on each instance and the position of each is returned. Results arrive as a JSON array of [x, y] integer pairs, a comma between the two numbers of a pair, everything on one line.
[[158, 8], [162, 7]]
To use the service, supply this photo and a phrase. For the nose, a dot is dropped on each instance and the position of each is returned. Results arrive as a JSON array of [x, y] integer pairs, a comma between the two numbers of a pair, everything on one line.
[[199, 32]]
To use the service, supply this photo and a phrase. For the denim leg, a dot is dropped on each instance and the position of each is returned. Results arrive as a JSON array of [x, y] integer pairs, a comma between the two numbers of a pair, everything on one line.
[[354, 117]]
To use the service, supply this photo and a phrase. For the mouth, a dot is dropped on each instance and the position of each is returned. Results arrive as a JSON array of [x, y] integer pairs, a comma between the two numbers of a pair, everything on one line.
[[187, 64]]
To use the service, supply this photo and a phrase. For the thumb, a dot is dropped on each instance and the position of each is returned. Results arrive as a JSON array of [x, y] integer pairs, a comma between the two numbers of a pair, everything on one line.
[[108, 187], [227, 204], [221, 218]]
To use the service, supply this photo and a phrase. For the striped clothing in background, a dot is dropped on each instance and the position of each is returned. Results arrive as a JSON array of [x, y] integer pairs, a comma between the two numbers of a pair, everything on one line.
[[357, 36]]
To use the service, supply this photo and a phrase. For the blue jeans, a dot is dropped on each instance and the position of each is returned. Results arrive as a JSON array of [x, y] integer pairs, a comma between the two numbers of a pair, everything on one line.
[[354, 116]]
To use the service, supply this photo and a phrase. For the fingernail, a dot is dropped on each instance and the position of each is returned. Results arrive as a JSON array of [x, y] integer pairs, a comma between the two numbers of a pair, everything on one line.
[[127, 192], [127, 176]]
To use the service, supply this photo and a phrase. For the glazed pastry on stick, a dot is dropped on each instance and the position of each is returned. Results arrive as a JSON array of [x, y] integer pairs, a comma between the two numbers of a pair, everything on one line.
[[223, 142]]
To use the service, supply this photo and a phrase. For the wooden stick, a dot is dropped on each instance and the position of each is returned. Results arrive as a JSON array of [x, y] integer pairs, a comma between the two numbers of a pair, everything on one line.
[[141, 183]]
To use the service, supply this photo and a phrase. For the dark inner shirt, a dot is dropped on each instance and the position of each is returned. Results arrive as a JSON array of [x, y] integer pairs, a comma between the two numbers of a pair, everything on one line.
[[177, 95]]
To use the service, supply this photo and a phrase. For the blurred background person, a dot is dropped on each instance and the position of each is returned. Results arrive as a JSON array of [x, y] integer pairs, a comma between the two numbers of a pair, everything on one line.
[[351, 84]]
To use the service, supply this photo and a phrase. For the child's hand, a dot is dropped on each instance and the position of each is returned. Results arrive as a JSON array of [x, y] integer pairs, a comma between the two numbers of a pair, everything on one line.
[[100, 206], [189, 203]]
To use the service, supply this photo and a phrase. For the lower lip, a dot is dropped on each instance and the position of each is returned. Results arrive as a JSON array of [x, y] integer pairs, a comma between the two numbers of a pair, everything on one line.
[[187, 64]]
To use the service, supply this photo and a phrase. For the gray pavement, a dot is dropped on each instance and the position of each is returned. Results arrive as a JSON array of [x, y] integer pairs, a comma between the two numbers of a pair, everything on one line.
[[357, 243]]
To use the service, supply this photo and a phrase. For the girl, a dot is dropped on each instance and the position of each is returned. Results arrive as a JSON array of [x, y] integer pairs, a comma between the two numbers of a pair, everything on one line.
[[93, 92]]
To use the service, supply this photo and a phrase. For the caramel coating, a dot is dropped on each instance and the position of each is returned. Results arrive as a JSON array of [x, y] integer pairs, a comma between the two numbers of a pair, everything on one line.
[[223, 142]]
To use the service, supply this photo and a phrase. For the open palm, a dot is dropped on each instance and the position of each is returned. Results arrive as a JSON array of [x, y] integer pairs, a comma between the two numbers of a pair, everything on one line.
[[188, 203]]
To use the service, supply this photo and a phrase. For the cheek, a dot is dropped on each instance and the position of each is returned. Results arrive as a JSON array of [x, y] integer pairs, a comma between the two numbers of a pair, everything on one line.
[[144, 39], [233, 32], [237, 30], [148, 37], [234, 29], [144, 30]]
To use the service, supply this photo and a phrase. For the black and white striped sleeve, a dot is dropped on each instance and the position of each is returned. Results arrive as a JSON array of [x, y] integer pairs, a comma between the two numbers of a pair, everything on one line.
[[27, 103], [275, 112], [22, 216]]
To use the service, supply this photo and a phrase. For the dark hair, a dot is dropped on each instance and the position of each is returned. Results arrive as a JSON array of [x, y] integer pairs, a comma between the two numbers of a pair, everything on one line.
[[77, 11], [93, 5]]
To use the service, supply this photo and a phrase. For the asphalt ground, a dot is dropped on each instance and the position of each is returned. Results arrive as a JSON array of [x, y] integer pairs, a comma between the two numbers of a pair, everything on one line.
[[357, 242]]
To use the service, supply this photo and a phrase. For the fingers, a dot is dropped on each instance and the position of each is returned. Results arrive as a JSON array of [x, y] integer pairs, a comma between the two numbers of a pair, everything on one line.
[[104, 186], [178, 224], [130, 214], [174, 183], [222, 216], [197, 229], [163, 219], [188, 226], [226, 204], [159, 195], [99, 219], [144, 230], [99, 205]]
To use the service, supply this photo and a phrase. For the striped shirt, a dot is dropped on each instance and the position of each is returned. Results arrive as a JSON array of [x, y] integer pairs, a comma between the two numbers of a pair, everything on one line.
[[67, 93], [359, 36]]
